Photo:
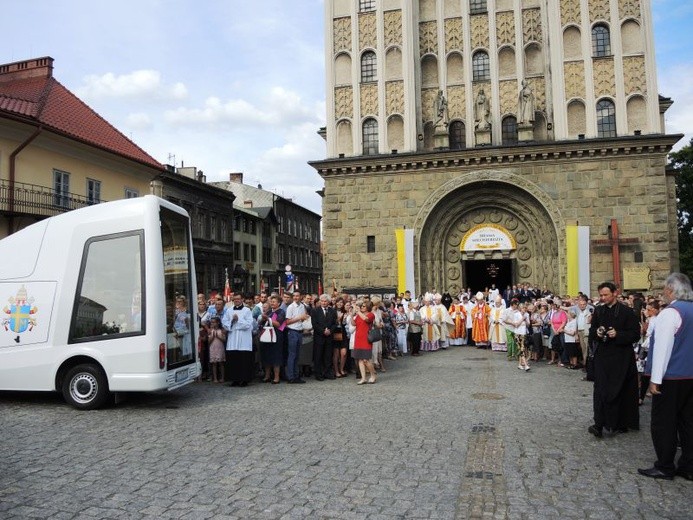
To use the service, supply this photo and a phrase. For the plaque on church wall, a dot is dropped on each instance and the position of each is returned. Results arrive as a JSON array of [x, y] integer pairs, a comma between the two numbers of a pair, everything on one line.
[[486, 237], [636, 278]]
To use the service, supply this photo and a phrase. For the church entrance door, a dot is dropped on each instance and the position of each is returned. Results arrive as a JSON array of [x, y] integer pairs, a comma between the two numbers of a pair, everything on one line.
[[479, 274]]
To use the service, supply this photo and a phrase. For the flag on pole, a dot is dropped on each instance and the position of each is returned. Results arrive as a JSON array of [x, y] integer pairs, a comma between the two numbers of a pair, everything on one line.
[[319, 286], [262, 284], [227, 286], [279, 284]]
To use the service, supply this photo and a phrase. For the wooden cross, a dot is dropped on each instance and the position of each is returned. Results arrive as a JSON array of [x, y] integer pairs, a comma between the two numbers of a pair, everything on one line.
[[615, 241]]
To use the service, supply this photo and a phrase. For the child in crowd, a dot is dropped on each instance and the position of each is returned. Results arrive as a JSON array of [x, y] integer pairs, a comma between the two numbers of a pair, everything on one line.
[[217, 349]]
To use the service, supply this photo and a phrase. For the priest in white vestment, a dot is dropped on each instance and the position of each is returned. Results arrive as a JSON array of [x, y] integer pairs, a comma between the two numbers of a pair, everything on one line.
[[240, 361]]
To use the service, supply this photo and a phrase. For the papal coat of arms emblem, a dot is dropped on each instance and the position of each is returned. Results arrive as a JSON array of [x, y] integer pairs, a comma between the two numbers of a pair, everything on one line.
[[19, 315]]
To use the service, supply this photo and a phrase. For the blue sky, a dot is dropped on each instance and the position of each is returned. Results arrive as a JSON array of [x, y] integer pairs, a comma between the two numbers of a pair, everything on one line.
[[230, 85]]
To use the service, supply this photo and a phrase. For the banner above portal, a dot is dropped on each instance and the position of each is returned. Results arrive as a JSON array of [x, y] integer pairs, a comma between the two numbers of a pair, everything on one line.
[[487, 237]]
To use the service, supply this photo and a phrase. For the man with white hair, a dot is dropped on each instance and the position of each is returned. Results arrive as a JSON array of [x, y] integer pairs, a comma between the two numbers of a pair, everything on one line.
[[497, 327], [430, 318], [670, 365], [324, 320]]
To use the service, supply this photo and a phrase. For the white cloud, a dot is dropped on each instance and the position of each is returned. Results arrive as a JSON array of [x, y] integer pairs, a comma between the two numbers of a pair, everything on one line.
[[139, 121], [679, 118], [214, 113], [280, 108], [137, 84]]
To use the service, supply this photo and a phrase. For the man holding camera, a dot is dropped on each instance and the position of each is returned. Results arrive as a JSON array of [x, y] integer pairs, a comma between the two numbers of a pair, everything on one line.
[[613, 330]]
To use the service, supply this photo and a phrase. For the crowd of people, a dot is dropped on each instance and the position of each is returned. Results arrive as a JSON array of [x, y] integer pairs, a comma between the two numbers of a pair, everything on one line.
[[609, 339]]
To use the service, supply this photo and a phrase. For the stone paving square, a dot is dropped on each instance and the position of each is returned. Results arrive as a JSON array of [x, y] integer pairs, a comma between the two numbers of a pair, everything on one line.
[[453, 434]]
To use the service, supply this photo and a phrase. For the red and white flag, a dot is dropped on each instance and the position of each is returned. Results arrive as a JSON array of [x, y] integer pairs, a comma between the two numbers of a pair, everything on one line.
[[227, 287]]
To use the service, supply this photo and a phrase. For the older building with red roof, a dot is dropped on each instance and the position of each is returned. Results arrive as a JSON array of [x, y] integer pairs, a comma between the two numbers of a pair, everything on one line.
[[56, 153]]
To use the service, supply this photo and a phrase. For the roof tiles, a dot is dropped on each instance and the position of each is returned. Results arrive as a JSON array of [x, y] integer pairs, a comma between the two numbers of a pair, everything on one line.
[[44, 100]]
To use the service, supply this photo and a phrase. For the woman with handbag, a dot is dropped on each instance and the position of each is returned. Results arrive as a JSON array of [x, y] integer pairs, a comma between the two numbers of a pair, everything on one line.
[[363, 346], [272, 321]]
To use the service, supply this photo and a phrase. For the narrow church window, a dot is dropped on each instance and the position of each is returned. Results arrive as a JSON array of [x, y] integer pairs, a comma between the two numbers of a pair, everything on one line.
[[457, 135], [366, 5], [370, 244], [606, 118], [481, 67], [509, 130], [601, 41], [370, 137], [368, 66], [477, 6]]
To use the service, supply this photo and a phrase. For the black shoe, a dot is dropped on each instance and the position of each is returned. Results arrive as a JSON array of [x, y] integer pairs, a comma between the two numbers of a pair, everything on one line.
[[233, 383], [297, 381], [597, 432], [331, 376], [688, 475], [319, 378], [608, 433], [243, 383], [655, 473]]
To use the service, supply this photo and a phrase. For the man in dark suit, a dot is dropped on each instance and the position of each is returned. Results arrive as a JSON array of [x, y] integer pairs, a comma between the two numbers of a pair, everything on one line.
[[324, 319], [507, 296]]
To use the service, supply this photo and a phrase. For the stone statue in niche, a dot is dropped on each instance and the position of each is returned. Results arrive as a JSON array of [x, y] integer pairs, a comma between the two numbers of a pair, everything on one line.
[[525, 104], [441, 109], [482, 111]]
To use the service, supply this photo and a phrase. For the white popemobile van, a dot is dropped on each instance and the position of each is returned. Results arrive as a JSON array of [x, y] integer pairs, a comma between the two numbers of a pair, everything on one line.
[[98, 300]]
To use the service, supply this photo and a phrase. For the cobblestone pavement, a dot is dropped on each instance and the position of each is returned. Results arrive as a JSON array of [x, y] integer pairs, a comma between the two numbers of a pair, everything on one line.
[[449, 435]]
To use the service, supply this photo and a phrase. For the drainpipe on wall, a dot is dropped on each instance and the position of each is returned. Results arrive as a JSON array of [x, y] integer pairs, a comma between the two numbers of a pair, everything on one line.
[[13, 159]]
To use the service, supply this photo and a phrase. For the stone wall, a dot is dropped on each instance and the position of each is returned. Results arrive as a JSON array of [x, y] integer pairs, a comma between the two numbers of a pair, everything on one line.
[[585, 184]]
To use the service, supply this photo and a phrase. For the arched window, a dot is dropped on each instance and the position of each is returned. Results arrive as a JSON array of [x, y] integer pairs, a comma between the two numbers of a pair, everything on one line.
[[481, 67], [606, 118], [370, 137], [457, 136], [369, 67], [509, 130], [601, 41], [477, 6]]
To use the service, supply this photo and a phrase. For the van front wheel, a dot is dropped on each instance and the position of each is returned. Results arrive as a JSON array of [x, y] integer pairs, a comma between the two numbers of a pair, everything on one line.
[[85, 387]]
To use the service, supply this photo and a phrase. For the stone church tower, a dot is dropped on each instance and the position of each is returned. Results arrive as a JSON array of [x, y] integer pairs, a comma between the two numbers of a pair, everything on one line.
[[512, 140]]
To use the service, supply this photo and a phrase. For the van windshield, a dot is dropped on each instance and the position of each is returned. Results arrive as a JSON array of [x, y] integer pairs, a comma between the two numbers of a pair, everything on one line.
[[179, 324]]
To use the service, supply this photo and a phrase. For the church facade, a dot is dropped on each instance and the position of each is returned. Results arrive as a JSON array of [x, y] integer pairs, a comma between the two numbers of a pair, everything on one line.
[[472, 142]]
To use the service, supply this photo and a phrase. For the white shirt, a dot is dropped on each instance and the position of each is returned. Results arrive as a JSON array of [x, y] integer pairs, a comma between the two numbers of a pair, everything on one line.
[[667, 324], [581, 316], [521, 327], [469, 306], [571, 327], [295, 310]]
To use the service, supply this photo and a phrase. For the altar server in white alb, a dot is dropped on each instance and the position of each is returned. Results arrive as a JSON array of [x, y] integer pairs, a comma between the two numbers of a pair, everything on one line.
[[238, 321]]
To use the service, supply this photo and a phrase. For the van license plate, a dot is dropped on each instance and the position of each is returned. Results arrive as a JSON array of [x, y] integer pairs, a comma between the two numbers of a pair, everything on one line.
[[181, 375]]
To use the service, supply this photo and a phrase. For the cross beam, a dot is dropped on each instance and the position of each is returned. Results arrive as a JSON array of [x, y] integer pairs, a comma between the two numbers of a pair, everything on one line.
[[615, 241]]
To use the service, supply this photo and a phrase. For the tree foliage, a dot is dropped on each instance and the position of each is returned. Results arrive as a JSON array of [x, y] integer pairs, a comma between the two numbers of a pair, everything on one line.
[[682, 162]]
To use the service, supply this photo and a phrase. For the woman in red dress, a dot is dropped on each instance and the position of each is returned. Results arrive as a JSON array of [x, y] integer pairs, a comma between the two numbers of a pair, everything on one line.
[[362, 347]]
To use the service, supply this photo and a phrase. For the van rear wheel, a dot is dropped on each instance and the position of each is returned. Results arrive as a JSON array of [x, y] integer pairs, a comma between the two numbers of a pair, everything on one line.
[[85, 387]]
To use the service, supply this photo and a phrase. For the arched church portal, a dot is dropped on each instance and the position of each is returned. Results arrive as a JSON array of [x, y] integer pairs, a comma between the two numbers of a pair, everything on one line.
[[482, 214]]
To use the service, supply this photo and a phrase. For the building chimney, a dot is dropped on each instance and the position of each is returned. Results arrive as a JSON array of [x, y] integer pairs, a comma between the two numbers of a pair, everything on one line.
[[247, 203], [236, 177], [36, 68]]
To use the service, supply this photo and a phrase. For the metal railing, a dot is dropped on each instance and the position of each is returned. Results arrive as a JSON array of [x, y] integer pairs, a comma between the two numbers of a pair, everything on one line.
[[32, 199]]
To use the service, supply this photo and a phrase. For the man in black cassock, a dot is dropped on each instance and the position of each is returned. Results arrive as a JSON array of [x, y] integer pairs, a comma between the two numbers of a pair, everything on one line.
[[614, 329]]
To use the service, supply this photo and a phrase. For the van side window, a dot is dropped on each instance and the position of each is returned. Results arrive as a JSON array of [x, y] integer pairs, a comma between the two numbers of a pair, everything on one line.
[[109, 301]]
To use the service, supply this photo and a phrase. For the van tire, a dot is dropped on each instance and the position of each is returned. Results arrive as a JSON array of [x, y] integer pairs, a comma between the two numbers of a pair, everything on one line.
[[85, 387]]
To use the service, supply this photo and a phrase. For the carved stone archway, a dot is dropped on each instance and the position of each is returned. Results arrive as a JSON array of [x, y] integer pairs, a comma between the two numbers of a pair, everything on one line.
[[531, 221]]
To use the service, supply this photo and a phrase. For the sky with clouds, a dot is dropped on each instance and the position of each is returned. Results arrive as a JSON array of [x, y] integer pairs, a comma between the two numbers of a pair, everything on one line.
[[231, 85]]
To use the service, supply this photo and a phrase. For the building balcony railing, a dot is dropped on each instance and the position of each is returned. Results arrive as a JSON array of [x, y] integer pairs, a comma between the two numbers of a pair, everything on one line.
[[32, 199]]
